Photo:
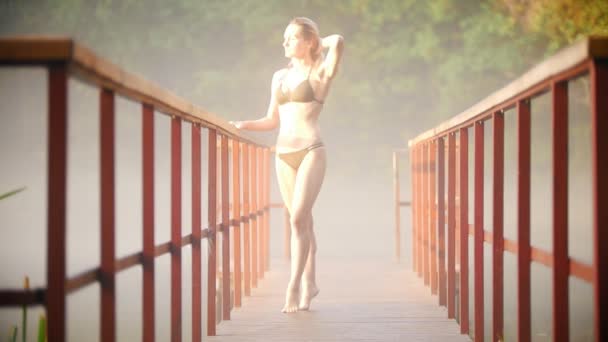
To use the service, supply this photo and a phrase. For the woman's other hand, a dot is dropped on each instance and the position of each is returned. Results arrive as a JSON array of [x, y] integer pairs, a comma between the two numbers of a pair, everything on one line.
[[237, 124]]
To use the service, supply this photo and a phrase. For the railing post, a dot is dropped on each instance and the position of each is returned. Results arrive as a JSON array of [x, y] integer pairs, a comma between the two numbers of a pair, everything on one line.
[[433, 214], [397, 211], [246, 225], [464, 230], [267, 206], [236, 213], [107, 281], [425, 214], [196, 232], [218, 208], [254, 217], [260, 208], [497, 237], [148, 223], [420, 216], [479, 232], [599, 126], [523, 220], [176, 229], [225, 231], [561, 273], [56, 202], [212, 224], [441, 218], [451, 224], [414, 166]]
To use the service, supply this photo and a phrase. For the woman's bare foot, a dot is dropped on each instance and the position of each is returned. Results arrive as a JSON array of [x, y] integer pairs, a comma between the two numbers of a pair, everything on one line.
[[308, 293], [291, 300]]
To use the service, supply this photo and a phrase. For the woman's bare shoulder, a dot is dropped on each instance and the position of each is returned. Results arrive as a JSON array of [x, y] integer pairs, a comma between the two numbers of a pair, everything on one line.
[[279, 73], [277, 76]]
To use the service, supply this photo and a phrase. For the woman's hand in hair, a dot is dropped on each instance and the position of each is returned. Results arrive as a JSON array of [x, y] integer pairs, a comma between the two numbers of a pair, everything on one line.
[[332, 41]]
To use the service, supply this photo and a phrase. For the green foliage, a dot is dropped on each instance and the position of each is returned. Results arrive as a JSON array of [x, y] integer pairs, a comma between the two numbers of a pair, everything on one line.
[[560, 22]]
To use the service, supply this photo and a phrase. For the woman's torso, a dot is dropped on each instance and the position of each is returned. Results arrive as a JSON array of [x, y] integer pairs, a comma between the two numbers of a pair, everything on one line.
[[299, 121]]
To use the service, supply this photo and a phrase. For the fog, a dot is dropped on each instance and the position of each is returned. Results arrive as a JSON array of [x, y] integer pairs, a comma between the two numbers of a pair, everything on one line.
[[353, 214]]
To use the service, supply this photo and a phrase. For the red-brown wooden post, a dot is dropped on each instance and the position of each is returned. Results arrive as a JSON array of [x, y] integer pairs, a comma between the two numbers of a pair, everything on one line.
[[225, 231], [260, 211], [441, 218], [464, 230], [254, 217], [107, 273], [420, 209], [212, 224], [176, 229], [418, 195], [196, 232], [599, 126], [425, 213], [561, 274], [218, 203], [246, 223], [236, 214], [414, 178], [267, 205], [479, 232], [148, 223], [433, 214], [451, 224], [55, 298], [264, 208], [397, 208], [523, 220], [498, 222]]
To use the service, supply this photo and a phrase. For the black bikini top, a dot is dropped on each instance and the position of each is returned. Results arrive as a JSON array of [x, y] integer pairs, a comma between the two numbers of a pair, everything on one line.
[[303, 92]]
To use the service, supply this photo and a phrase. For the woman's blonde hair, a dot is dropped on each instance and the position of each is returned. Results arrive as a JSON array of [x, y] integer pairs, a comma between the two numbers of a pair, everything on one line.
[[310, 31]]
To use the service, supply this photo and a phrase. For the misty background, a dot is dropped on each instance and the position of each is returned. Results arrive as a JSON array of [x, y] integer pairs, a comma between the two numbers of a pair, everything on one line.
[[408, 65]]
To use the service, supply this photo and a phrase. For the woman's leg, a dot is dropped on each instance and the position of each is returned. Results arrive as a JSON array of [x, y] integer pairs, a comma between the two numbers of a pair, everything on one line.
[[286, 177], [309, 280], [307, 185]]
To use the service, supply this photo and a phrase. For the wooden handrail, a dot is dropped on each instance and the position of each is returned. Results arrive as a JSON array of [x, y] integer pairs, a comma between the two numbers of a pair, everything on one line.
[[90, 68], [567, 58]]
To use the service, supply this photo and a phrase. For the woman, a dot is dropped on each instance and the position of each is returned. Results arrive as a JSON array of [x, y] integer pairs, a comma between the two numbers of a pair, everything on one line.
[[296, 100]]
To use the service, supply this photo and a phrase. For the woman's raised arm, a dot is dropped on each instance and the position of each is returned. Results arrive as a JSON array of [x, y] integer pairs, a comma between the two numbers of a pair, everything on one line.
[[335, 44]]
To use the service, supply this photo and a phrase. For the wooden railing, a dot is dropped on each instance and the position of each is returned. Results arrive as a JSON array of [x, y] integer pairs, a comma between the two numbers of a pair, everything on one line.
[[63, 58], [428, 153]]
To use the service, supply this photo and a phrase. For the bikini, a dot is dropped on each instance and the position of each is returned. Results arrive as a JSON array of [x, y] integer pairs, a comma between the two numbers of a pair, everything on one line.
[[302, 93]]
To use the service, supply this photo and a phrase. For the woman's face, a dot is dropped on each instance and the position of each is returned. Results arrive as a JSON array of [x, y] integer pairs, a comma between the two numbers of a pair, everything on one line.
[[294, 43]]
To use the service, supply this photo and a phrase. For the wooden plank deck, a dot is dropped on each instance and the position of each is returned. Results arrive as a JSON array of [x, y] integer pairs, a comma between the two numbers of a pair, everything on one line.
[[359, 301]]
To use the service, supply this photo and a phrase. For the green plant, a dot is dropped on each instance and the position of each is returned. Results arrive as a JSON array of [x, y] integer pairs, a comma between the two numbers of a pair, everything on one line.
[[42, 329], [11, 193]]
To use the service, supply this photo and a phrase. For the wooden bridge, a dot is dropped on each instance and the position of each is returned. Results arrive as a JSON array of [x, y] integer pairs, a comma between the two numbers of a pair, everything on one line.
[[359, 300]]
